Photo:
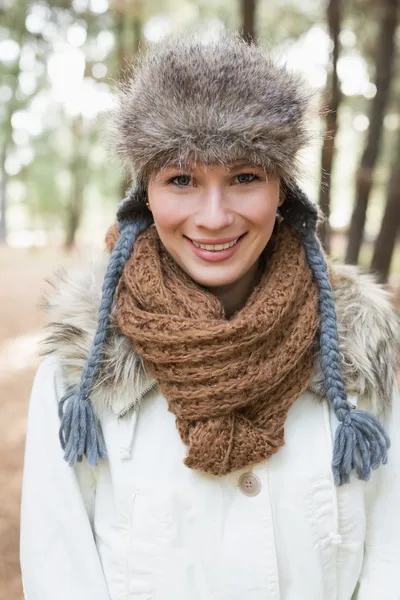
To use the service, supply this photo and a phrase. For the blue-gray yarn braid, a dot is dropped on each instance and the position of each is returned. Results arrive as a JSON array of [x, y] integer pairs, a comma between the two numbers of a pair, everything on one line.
[[80, 432], [361, 442]]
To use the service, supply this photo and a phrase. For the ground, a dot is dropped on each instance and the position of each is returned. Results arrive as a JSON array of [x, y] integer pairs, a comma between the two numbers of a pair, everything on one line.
[[22, 284]]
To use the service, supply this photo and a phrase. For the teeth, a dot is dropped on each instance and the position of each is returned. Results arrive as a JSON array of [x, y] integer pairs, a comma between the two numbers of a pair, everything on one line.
[[215, 247]]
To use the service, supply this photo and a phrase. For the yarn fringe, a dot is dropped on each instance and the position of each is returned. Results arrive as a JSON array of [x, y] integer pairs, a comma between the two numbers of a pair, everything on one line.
[[80, 433], [361, 443]]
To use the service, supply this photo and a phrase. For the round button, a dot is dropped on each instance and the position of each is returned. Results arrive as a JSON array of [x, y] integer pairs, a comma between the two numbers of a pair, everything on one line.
[[249, 484]]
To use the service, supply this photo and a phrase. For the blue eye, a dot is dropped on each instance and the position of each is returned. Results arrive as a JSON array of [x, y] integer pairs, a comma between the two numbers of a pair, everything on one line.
[[181, 180], [246, 177]]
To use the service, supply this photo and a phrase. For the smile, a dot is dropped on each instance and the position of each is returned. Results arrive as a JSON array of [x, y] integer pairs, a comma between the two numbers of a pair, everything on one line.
[[215, 247], [221, 250]]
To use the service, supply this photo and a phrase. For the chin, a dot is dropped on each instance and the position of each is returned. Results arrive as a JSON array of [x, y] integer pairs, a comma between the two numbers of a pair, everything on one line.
[[210, 277]]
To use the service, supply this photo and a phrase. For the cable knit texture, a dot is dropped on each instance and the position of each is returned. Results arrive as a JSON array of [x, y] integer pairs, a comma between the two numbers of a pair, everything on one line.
[[230, 383]]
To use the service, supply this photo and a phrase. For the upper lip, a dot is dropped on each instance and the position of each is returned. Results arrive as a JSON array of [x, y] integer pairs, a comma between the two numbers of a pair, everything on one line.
[[215, 242]]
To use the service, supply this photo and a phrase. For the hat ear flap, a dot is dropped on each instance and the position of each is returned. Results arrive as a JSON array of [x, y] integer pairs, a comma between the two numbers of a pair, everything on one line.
[[134, 206], [297, 210]]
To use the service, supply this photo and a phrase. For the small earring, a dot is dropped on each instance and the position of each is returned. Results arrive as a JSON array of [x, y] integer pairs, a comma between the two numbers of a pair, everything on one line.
[[148, 205]]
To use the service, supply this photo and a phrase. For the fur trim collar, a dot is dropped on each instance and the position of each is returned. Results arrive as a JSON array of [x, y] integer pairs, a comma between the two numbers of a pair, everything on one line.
[[368, 326]]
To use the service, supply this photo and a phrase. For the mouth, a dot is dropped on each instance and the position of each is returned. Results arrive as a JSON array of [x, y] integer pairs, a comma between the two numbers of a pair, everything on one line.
[[217, 252], [218, 245]]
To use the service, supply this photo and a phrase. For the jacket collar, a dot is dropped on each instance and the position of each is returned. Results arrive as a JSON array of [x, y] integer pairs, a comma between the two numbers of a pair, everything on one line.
[[368, 327]]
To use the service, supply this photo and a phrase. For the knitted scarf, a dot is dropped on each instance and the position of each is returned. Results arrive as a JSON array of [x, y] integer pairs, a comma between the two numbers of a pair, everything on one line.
[[230, 383]]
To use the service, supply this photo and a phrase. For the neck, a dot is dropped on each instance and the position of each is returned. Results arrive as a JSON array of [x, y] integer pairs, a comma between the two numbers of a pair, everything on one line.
[[233, 296]]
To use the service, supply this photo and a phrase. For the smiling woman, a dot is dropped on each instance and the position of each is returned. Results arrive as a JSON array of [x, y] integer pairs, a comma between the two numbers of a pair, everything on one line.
[[217, 395]]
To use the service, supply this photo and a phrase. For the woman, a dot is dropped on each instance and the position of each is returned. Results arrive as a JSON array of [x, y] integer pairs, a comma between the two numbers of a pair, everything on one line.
[[223, 396]]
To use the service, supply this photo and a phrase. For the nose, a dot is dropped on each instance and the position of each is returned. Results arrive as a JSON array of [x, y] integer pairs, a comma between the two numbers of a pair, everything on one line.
[[214, 212]]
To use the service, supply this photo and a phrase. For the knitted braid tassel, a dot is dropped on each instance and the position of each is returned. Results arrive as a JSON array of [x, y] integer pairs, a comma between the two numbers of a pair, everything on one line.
[[361, 442], [80, 433]]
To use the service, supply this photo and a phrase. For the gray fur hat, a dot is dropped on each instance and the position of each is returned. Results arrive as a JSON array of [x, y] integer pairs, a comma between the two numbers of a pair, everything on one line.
[[221, 102], [212, 103]]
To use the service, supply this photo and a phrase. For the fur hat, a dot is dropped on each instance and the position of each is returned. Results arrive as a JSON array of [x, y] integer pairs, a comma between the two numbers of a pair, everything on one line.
[[219, 103], [212, 103]]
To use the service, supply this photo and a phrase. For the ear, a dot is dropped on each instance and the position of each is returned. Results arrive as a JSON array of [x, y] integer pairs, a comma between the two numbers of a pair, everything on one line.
[[281, 194]]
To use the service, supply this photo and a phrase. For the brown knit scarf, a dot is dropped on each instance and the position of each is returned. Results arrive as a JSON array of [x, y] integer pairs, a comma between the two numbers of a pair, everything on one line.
[[230, 383]]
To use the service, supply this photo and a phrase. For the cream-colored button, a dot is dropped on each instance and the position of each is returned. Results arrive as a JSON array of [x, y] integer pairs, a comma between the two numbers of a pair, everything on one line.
[[249, 484]]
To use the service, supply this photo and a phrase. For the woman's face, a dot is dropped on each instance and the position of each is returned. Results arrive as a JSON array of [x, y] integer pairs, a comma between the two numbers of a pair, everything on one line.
[[216, 220]]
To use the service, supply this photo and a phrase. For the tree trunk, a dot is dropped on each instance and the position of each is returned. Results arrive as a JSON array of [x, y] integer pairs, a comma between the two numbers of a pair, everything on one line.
[[3, 202], [7, 128], [248, 20], [137, 21], [8, 142], [385, 55], [390, 226], [78, 171], [331, 123], [121, 17], [73, 219]]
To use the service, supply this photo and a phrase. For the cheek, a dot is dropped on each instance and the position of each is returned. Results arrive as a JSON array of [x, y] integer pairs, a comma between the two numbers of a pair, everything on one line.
[[168, 213], [262, 213]]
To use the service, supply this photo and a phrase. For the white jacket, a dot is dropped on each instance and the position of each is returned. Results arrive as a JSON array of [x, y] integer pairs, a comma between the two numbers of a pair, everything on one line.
[[142, 526]]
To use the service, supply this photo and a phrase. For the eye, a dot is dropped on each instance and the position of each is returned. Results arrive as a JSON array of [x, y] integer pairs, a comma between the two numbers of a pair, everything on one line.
[[246, 177], [181, 180]]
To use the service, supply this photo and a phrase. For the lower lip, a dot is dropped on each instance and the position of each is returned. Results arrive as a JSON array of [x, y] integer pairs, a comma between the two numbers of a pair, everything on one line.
[[218, 255]]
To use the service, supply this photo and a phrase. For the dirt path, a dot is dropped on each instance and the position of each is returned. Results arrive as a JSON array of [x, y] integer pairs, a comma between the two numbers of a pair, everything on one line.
[[22, 283]]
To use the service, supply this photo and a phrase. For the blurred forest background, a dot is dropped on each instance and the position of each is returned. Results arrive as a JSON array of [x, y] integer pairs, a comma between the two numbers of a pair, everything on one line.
[[60, 65]]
